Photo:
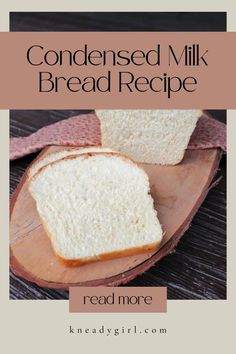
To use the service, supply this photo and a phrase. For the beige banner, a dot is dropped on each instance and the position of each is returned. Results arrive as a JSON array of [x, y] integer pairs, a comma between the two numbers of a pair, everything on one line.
[[84, 70], [115, 299]]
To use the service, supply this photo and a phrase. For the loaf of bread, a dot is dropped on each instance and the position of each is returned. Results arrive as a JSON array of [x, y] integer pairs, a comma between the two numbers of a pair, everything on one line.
[[149, 136], [94, 206]]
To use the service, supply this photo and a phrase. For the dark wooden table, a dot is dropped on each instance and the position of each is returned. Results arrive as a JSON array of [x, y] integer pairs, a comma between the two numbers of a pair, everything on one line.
[[118, 21], [196, 270]]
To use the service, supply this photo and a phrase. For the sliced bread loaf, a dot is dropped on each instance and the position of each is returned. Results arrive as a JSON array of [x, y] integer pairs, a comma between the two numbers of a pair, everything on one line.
[[96, 206], [149, 136]]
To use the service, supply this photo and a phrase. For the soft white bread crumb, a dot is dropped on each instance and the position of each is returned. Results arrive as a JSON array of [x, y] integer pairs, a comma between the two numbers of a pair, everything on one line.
[[151, 136], [66, 151], [96, 205]]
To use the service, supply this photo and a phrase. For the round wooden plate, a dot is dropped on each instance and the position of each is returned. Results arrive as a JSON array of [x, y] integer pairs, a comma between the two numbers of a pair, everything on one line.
[[178, 191]]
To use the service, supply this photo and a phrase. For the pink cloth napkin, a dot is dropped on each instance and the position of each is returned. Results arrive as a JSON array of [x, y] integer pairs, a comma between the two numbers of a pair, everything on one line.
[[85, 130], [82, 130], [209, 133]]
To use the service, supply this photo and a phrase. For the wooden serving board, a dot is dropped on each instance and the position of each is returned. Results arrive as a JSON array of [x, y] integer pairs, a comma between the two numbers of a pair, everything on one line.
[[178, 191]]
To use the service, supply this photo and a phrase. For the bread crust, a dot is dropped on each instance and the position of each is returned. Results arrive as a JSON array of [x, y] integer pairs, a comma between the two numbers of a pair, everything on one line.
[[104, 256], [65, 148], [87, 155], [110, 255]]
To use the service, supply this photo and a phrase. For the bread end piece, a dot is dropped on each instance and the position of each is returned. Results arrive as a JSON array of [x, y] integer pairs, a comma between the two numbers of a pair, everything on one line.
[[149, 136]]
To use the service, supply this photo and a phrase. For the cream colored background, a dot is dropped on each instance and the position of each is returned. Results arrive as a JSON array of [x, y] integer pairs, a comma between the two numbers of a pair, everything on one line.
[[42, 326]]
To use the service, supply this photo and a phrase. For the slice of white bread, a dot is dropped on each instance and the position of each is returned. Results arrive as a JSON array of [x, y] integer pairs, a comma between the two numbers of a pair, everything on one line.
[[96, 206], [149, 136], [66, 151]]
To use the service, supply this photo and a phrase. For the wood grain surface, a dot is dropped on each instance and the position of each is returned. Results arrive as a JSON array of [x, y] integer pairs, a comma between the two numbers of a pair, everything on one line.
[[196, 270]]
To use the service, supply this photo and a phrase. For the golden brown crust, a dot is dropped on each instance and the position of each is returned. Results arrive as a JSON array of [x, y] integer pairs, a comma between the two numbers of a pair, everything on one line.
[[87, 155], [111, 255], [65, 148]]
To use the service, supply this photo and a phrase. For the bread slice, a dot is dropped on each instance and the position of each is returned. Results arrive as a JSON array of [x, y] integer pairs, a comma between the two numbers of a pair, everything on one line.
[[149, 136], [66, 151], [96, 206]]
